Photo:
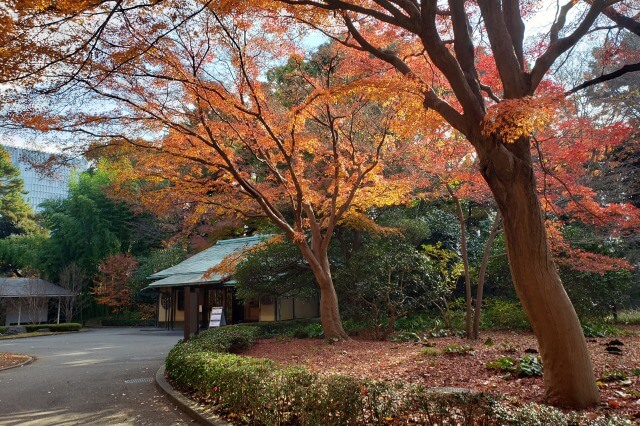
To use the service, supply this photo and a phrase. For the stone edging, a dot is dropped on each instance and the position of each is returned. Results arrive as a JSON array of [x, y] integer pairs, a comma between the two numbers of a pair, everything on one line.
[[185, 404], [28, 361]]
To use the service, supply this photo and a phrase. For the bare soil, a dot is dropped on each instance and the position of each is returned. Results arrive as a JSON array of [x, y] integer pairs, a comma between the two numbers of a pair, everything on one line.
[[427, 363]]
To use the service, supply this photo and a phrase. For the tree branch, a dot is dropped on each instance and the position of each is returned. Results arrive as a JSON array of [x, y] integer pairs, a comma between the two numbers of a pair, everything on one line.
[[605, 77], [561, 45], [502, 44]]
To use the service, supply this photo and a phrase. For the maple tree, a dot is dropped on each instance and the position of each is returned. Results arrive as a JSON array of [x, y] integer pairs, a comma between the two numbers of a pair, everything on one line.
[[223, 143], [496, 113], [491, 89], [111, 283]]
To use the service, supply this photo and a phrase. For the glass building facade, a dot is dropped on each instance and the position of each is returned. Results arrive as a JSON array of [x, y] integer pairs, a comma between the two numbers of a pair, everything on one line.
[[40, 186]]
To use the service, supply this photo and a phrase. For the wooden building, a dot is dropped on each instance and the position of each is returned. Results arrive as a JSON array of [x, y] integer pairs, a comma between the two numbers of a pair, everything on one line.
[[187, 294]]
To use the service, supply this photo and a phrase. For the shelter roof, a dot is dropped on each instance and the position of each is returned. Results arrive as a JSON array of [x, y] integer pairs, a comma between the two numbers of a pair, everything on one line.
[[28, 287], [192, 270]]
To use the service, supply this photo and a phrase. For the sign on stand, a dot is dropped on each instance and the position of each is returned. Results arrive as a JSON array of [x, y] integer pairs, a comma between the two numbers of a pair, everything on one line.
[[217, 317]]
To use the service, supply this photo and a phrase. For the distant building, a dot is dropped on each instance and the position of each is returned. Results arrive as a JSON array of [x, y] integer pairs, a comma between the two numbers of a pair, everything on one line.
[[41, 187], [26, 300]]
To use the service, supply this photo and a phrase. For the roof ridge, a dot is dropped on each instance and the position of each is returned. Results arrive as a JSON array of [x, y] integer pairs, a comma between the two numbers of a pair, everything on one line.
[[240, 239]]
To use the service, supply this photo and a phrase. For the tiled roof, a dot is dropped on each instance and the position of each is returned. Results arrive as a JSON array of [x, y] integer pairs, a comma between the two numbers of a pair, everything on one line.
[[26, 287], [192, 270]]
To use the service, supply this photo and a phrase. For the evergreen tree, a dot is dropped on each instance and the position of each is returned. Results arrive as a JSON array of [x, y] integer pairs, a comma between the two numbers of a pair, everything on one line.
[[16, 216]]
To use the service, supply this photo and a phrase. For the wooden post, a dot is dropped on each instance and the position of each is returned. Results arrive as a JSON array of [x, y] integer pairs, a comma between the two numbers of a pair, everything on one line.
[[196, 313], [172, 309], [158, 297], [187, 312], [205, 306]]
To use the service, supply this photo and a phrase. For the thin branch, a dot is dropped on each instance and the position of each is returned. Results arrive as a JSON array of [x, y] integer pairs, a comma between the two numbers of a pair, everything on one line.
[[605, 77]]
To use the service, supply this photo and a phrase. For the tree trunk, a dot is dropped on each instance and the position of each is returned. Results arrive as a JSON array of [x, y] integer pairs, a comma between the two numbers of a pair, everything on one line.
[[329, 311], [568, 372], [482, 274], [465, 262]]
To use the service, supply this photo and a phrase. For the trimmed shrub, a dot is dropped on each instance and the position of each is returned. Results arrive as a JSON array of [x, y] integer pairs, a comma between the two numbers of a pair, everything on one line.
[[290, 328], [69, 326], [261, 392], [127, 322], [3, 329], [228, 339], [448, 407]]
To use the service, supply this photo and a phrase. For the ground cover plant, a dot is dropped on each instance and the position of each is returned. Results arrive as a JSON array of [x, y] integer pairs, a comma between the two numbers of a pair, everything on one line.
[[311, 382]]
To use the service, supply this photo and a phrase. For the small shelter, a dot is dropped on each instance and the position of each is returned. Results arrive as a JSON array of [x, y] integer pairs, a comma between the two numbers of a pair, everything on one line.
[[188, 295], [26, 300]]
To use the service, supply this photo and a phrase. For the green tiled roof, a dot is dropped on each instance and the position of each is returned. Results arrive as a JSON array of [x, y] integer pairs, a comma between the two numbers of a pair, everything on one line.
[[192, 270]]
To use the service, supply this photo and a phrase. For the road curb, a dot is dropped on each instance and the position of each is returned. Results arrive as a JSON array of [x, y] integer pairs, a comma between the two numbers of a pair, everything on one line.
[[189, 407], [22, 364]]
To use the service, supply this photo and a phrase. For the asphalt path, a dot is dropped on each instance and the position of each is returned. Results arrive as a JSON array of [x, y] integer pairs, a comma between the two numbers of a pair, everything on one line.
[[95, 377]]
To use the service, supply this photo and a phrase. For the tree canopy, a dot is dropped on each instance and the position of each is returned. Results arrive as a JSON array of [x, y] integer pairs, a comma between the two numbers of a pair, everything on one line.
[[185, 79]]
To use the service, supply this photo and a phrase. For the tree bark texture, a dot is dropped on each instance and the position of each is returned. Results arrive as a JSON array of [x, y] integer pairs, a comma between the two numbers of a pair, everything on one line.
[[329, 309], [329, 312], [568, 372]]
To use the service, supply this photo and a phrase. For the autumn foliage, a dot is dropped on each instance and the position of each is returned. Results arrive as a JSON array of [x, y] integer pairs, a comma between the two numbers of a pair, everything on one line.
[[184, 83], [111, 283]]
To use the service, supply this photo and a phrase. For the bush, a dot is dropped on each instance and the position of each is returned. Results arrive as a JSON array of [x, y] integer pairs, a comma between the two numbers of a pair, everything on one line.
[[537, 415], [595, 295], [504, 314], [449, 407], [227, 339], [419, 323], [69, 326], [282, 328], [313, 331], [258, 391], [629, 317], [3, 329], [127, 322]]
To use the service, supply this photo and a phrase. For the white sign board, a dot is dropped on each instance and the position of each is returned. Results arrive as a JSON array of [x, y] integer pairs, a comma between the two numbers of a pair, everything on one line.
[[217, 317]]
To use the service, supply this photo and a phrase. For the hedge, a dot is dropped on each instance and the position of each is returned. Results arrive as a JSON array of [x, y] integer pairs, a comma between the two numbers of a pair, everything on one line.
[[300, 328], [3, 329], [69, 326], [259, 391], [127, 322]]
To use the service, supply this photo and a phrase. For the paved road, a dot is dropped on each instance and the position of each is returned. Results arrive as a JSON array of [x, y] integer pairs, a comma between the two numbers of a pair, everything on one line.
[[97, 377]]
